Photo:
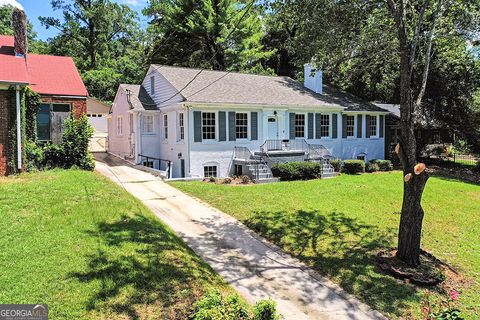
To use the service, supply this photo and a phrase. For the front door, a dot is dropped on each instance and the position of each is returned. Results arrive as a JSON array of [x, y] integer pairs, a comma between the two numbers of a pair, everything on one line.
[[272, 128]]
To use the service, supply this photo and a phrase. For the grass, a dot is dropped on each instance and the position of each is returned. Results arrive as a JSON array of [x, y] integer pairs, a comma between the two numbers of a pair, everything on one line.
[[338, 225], [85, 247]]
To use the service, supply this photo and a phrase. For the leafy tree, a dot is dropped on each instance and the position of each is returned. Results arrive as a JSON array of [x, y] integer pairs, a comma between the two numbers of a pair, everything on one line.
[[194, 33], [416, 53], [105, 40]]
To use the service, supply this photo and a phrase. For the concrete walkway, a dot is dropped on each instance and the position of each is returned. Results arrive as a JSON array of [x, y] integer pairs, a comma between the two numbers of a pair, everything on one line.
[[255, 268]]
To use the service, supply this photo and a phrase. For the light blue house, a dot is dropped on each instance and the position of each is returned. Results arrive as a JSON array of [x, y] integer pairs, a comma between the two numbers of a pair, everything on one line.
[[212, 123]]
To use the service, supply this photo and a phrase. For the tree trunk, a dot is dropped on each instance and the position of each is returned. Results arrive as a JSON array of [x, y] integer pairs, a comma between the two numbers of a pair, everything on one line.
[[410, 230]]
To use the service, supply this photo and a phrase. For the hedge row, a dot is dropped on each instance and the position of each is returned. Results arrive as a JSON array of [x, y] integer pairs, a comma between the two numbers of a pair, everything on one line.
[[353, 166], [297, 171]]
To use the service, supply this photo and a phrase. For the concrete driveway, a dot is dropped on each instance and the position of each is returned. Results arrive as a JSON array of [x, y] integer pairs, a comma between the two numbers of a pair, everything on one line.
[[254, 267]]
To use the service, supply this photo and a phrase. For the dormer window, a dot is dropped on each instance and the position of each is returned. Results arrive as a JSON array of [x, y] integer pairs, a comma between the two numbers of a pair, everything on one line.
[[152, 85]]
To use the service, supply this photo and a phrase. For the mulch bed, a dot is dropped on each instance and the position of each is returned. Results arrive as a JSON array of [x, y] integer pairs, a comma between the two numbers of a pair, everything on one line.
[[230, 181], [431, 272]]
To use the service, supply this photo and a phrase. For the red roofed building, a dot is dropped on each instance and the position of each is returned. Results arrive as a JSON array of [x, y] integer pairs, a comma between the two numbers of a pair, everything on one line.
[[55, 79]]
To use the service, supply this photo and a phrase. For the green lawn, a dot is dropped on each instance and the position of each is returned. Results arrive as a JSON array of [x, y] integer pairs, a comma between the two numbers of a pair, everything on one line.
[[338, 225], [85, 247]]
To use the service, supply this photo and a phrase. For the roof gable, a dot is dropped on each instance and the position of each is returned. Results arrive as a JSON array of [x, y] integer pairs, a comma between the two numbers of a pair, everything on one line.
[[46, 74]]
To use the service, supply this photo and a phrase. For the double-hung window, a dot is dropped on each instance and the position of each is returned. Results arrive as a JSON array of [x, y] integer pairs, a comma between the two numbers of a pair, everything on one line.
[[350, 126], [241, 125], [324, 125], [119, 125], [208, 125], [373, 126], [181, 126], [299, 125], [165, 127], [147, 124]]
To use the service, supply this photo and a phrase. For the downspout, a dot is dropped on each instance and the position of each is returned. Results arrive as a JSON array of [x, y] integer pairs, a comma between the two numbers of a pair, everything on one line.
[[19, 129]]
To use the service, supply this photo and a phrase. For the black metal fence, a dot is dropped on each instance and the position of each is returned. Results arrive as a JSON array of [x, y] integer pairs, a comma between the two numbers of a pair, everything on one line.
[[453, 160]]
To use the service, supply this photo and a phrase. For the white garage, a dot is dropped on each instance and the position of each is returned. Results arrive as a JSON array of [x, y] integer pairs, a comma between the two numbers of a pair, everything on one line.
[[97, 113]]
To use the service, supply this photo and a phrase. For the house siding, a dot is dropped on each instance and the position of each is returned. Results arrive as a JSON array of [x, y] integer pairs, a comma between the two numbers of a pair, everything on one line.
[[163, 90], [121, 145]]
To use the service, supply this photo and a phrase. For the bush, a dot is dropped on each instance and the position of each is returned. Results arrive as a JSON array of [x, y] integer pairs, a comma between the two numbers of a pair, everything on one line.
[[265, 310], [383, 165], [76, 137], [53, 156], [336, 164], [33, 156], [477, 167], [227, 181], [297, 171], [215, 306], [353, 166], [72, 152], [245, 179], [372, 167]]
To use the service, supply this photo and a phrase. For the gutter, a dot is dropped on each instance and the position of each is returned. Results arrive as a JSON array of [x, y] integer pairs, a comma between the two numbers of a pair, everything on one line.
[[19, 128]]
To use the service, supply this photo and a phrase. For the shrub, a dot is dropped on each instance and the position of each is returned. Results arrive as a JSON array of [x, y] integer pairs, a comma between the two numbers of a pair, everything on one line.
[[265, 310], [297, 171], [245, 179], [214, 306], [336, 164], [33, 156], [383, 165], [53, 156], [227, 180], [353, 166], [477, 167], [212, 179], [76, 137], [372, 167]]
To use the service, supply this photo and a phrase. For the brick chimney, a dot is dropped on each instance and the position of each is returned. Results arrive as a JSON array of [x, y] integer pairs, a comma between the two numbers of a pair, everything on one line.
[[20, 26]]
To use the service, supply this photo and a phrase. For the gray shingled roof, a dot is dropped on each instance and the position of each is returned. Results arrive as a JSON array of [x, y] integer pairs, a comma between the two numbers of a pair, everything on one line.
[[239, 88], [394, 109], [139, 98]]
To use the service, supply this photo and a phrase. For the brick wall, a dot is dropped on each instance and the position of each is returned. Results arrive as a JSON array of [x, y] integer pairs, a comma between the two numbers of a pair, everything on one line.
[[4, 95], [79, 105]]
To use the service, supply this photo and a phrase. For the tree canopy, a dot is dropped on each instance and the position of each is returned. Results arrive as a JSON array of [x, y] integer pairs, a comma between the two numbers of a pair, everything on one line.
[[354, 42], [105, 40], [213, 34]]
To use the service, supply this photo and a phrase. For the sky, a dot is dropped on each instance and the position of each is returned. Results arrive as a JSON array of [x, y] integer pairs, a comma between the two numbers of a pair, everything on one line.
[[37, 8]]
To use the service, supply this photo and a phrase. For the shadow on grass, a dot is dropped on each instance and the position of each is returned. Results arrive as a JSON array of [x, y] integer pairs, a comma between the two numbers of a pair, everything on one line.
[[143, 271], [340, 248]]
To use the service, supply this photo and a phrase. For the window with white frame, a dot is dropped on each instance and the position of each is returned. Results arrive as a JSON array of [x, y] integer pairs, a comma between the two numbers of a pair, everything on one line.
[[152, 85], [119, 125], [324, 125], [373, 125], [350, 126], [181, 126], [210, 171], [148, 124], [208, 125], [241, 125], [165, 127], [299, 125]]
